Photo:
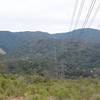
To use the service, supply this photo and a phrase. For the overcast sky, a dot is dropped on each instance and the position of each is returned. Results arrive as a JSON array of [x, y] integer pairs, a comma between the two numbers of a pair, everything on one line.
[[41, 15]]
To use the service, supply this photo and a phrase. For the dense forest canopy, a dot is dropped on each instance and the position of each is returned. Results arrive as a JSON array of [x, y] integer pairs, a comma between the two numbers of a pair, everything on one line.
[[63, 55]]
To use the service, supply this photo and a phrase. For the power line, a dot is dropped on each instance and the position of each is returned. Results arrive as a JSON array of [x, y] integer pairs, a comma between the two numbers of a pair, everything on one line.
[[89, 13], [74, 13], [79, 12], [94, 15]]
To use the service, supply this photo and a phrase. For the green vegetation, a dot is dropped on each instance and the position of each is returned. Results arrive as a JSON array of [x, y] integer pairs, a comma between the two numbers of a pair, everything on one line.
[[63, 55], [42, 66], [35, 87]]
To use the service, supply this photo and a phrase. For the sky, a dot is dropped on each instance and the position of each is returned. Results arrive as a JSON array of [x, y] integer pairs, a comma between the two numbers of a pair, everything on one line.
[[53, 16]]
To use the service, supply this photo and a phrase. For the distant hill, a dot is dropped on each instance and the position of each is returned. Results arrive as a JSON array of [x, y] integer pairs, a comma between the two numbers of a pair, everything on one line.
[[87, 35], [11, 40], [76, 53]]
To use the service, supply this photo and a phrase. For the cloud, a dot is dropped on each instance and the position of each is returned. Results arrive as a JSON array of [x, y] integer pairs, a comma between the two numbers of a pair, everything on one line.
[[46, 15]]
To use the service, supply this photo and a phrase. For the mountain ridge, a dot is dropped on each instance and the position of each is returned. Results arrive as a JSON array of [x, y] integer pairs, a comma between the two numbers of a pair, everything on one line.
[[41, 52], [11, 40]]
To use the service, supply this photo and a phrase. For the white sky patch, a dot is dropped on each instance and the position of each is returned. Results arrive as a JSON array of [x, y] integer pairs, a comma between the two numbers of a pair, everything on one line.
[[41, 15], [2, 51]]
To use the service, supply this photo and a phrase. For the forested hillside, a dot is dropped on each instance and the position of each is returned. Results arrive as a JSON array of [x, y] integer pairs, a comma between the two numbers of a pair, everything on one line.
[[61, 55]]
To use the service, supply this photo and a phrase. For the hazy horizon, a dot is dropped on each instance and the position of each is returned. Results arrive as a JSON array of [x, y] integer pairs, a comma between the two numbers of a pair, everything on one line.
[[53, 16]]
